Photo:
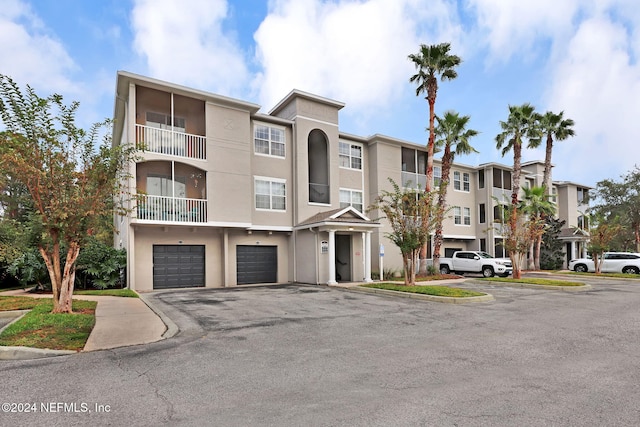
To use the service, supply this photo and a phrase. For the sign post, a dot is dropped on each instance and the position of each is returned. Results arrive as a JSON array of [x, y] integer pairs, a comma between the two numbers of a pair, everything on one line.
[[381, 262]]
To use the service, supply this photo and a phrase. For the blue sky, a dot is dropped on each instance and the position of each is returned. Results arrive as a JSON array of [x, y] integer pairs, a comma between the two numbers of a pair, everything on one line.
[[576, 56]]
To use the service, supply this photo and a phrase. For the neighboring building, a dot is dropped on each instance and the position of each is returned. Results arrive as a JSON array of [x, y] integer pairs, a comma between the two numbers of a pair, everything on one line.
[[225, 195]]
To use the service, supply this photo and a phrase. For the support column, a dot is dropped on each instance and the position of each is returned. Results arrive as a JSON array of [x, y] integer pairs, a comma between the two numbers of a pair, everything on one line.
[[332, 258], [367, 257]]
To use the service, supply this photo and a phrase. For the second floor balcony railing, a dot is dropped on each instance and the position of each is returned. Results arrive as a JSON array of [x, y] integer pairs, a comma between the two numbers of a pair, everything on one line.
[[171, 142], [414, 180], [319, 193], [173, 209]]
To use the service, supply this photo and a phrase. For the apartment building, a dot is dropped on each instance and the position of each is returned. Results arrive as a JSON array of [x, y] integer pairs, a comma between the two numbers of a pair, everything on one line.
[[225, 195]]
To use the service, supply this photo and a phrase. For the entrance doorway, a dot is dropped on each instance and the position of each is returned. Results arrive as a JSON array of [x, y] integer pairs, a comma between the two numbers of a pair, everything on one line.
[[343, 257]]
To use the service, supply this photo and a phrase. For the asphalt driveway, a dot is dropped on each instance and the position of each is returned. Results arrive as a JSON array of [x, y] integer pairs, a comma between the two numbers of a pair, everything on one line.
[[309, 355]]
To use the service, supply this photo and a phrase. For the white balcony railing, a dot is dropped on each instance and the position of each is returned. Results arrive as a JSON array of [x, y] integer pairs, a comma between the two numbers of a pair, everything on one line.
[[170, 142], [414, 180], [161, 208]]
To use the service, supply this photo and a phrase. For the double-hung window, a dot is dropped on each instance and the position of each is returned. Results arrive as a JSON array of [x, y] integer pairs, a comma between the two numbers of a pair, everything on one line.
[[351, 198], [350, 155], [270, 194], [437, 176], [461, 181], [269, 140], [461, 216]]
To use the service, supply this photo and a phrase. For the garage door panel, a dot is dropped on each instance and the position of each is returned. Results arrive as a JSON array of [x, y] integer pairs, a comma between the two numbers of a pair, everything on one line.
[[178, 266], [256, 264]]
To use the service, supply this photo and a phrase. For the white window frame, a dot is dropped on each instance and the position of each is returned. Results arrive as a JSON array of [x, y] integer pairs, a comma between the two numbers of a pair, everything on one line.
[[271, 194], [466, 182], [270, 140], [457, 181], [349, 156], [457, 215], [437, 178], [462, 216], [350, 192]]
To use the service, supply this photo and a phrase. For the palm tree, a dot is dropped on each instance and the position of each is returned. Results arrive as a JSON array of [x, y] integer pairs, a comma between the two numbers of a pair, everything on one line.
[[520, 124], [431, 61], [537, 206], [454, 136], [553, 126]]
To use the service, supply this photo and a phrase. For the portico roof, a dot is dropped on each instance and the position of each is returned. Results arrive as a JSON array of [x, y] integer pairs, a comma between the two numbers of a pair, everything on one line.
[[342, 217]]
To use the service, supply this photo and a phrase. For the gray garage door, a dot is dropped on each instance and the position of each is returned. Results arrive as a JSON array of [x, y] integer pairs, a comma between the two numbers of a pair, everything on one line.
[[257, 264], [178, 266]]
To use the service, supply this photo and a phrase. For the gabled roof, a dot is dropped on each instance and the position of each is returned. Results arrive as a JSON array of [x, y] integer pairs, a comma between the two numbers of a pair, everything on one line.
[[573, 232], [342, 216]]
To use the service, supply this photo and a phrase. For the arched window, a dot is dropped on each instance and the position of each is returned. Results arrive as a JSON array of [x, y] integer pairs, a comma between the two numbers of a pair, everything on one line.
[[318, 151]]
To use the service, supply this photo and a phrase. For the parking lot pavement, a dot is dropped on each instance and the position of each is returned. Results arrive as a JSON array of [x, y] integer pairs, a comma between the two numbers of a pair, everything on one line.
[[311, 355]]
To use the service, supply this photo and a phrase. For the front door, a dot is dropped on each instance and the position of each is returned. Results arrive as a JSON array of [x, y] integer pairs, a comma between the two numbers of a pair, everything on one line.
[[343, 258]]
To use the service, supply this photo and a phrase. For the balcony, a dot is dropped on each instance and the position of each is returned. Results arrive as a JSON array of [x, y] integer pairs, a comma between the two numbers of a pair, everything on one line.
[[173, 143], [319, 193], [414, 180], [171, 209]]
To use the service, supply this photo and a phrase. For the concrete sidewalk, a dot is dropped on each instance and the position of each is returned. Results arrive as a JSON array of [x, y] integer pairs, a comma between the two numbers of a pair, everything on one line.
[[120, 322]]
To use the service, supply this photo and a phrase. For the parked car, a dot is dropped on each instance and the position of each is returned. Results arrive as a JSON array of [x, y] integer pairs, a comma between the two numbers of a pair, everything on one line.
[[612, 262], [476, 262]]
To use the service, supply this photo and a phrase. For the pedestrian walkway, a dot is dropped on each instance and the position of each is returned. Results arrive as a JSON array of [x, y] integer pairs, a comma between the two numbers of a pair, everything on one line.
[[120, 322]]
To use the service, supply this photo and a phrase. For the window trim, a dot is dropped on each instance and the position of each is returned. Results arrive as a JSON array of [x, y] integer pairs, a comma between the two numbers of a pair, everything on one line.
[[270, 180], [351, 145], [351, 191], [270, 140]]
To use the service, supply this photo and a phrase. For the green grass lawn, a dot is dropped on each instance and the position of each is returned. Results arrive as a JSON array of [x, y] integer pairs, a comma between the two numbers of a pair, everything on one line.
[[42, 329], [110, 292], [615, 275], [441, 291], [533, 281]]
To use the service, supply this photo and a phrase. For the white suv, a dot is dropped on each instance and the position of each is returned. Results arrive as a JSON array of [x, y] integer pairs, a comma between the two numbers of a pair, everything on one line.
[[612, 262]]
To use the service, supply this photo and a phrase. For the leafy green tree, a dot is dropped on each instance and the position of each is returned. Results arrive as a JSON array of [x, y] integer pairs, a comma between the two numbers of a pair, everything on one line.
[[453, 138], [430, 62], [520, 125], [410, 215], [71, 179], [601, 236], [552, 126], [620, 201], [536, 206]]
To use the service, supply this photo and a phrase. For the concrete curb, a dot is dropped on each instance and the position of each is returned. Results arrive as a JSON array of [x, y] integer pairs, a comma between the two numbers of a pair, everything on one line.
[[27, 353], [423, 297], [172, 328], [580, 288]]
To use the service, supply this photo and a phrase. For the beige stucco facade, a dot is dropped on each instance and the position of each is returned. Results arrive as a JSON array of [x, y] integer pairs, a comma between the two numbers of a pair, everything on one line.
[[226, 195]]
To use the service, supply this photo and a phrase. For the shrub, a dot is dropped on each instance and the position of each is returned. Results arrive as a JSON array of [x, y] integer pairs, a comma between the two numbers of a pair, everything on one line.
[[29, 269], [100, 266]]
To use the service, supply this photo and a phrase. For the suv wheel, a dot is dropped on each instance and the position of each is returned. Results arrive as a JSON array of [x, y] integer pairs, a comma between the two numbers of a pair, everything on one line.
[[580, 268], [630, 270]]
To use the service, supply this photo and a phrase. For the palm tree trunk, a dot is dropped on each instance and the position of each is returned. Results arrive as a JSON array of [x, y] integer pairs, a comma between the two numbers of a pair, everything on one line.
[[546, 179], [537, 254]]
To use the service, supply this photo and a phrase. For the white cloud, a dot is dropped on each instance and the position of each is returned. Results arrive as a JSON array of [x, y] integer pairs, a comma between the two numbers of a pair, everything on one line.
[[514, 27], [186, 44], [598, 85], [31, 55], [351, 51]]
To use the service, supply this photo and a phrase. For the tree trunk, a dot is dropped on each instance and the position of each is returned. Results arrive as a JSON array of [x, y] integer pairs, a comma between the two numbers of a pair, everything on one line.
[[537, 253], [442, 202], [531, 263], [68, 279], [546, 178], [51, 257]]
